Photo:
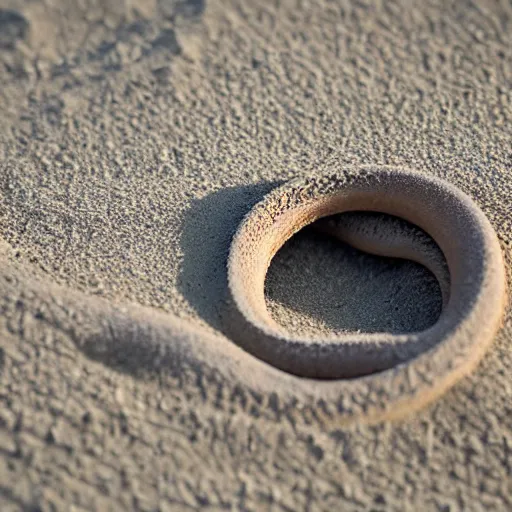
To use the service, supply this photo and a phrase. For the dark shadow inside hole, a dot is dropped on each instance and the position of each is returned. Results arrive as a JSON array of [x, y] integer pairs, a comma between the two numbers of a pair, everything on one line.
[[318, 285]]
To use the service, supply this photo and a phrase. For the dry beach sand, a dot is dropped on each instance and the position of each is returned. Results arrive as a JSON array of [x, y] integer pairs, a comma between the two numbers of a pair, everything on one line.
[[134, 137]]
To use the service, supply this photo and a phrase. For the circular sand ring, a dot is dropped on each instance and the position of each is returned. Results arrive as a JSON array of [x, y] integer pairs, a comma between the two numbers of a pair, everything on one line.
[[442, 353]]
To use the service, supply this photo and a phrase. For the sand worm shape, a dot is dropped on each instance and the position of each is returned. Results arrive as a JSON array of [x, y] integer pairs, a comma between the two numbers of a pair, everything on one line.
[[474, 302], [355, 377]]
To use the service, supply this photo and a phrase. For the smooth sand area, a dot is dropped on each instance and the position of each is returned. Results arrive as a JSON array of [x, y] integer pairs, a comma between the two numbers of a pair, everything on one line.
[[134, 137]]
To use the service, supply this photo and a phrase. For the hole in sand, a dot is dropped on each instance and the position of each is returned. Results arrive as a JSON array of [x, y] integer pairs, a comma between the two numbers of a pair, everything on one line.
[[318, 285]]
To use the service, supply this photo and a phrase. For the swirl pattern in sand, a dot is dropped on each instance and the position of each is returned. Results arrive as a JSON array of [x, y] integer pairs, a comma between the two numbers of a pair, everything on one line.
[[357, 377]]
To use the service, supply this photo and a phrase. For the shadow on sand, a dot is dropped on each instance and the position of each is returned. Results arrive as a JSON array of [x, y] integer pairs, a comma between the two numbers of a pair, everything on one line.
[[207, 231]]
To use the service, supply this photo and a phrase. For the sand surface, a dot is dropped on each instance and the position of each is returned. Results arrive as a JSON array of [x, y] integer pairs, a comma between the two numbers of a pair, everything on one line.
[[134, 136]]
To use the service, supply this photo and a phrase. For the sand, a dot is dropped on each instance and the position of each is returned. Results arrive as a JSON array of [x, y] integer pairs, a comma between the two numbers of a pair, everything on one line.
[[133, 140]]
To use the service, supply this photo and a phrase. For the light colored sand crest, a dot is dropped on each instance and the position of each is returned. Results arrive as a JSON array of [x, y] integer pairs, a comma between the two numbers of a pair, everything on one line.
[[268, 361]]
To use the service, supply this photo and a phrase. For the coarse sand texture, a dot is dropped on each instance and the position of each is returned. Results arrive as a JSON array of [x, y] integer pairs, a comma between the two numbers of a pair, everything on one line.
[[256, 255]]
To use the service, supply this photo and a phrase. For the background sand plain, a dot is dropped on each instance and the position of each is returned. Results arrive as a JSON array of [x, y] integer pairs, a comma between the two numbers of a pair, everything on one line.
[[134, 137]]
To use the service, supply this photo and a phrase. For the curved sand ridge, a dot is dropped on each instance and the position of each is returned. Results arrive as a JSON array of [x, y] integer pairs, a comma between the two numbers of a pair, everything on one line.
[[385, 235], [289, 373]]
